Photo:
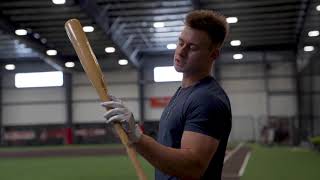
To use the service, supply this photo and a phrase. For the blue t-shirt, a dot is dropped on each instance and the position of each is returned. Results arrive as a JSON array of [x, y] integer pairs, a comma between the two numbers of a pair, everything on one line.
[[203, 108]]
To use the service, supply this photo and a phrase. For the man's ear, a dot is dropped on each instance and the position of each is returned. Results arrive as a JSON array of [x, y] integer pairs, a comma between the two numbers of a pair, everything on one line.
[[215, 53]]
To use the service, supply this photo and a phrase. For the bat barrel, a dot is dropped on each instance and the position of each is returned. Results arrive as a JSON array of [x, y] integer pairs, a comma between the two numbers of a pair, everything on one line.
[[90, 64]]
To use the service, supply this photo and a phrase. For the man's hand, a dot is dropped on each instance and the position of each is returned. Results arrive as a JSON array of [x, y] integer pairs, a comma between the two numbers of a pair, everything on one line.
[[118, 113]]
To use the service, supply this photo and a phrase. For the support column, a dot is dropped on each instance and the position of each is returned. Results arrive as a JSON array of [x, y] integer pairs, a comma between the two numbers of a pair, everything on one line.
[[1, 127], [266, 83], [298, 121], [68, 103], [217, 70], [141, 94], [312, 118]]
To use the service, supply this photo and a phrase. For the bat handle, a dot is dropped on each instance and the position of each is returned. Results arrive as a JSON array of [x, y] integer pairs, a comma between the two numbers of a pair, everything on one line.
[[131, 152]]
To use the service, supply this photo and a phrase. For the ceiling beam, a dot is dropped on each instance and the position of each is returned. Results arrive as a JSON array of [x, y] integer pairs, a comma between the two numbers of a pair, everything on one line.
[[147, 4], [245, 4], [196, 4], [256, 48], [113, 32], [302, 20], [30, 42], [303, 17]]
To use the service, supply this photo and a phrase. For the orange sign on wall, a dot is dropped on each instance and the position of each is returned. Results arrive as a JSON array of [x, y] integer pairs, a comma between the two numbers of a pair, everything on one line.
[[159, 102]]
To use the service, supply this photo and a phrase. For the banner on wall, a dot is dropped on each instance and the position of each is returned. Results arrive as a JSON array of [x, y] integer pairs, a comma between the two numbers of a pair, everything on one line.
[[159, 102], [19, 135], [90, 132]]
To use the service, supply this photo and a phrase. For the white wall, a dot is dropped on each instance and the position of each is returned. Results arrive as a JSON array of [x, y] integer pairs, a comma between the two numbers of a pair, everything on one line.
[[256, 93], [244, 83], [159, 89], [30, 106], [253, 97], [282, 87], [86, 103]]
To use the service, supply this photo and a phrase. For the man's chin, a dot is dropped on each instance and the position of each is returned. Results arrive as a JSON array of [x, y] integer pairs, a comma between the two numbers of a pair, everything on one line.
[[178, 69]]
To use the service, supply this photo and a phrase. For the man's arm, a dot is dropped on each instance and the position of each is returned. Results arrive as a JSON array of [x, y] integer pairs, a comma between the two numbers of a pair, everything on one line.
[[190, 161]]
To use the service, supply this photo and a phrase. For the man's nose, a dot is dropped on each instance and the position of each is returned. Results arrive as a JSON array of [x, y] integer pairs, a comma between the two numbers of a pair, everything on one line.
[[183, 50]]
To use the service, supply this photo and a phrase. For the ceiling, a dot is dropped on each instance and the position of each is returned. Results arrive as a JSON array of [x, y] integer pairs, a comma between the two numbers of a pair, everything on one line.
[[263, 26]]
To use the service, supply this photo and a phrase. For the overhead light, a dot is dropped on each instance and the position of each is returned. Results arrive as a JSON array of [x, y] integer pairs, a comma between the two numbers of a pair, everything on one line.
[[69, 64], [158, 24], [36, 35], [43, 40], [171, 46], [123, 62], [10, 67], [51, 52], [21, 32], [232, 20], [235, 43], [237, 56], [308, 48], [88, 28], [59, 1], [110, 49], [313, 33], [318, 8]]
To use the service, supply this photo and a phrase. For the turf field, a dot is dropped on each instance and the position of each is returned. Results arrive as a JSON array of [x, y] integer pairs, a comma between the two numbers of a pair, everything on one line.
[[75, 168], [282, 163], [265, 163]]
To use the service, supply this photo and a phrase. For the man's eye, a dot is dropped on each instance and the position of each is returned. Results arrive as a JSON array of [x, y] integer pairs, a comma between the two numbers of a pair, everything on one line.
[[193, 47]]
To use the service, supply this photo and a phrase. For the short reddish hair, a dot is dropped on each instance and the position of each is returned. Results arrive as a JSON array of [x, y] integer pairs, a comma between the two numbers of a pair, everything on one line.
[[211, 22]]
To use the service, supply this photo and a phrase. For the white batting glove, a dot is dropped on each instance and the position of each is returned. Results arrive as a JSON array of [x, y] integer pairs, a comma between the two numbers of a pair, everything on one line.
[[118, 112]]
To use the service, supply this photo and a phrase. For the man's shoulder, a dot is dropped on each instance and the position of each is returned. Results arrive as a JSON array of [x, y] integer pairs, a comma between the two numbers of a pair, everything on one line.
[[211, 94]]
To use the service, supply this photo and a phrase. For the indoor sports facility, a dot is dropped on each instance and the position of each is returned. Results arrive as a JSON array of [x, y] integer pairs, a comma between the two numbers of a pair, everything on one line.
[[55, 73]]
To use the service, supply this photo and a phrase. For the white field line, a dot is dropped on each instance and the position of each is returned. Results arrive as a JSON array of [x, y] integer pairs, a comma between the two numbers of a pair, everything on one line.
[[244, 164], [227, 157]]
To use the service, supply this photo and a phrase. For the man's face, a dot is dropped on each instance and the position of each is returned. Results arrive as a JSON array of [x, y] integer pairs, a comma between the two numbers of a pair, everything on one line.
[[194, 52]]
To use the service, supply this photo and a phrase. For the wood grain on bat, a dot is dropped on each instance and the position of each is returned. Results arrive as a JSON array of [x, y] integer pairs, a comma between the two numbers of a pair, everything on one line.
[[90, 65]]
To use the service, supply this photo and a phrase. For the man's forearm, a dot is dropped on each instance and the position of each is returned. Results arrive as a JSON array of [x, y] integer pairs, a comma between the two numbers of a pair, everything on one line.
[[176, 162]]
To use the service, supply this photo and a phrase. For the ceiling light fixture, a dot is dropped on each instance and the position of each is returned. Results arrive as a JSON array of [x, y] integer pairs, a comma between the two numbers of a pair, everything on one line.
[[69, 64], [51, 52], [59, 1], [43, 40], [237, 56], [308, 48], [313, 33], [232, 20], [21, 32], [235, 43], [109, 49], [10, 67], [88, 28], [123, 62]]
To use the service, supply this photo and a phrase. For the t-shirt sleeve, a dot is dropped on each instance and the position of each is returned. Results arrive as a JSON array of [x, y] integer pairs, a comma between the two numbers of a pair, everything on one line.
[[207, 115]]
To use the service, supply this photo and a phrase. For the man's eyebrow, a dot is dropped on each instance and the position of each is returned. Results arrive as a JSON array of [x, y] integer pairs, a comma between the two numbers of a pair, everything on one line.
[[180, 39]]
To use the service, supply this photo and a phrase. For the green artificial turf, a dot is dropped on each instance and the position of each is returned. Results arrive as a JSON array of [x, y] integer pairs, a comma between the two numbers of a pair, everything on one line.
[[73, 168], [282, 163], [57, 147]]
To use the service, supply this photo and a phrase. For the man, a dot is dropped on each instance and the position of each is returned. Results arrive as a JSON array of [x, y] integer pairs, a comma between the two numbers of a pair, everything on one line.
[[195, 126]]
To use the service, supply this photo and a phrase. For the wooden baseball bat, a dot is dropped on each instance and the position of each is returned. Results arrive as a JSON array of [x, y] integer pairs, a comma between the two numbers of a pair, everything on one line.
[[90, 65]]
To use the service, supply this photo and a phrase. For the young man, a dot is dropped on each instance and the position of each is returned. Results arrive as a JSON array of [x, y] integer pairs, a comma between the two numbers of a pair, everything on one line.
[[195, 126]]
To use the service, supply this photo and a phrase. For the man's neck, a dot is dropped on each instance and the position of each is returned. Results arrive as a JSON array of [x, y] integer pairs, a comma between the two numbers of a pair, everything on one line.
[[190, 80]]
